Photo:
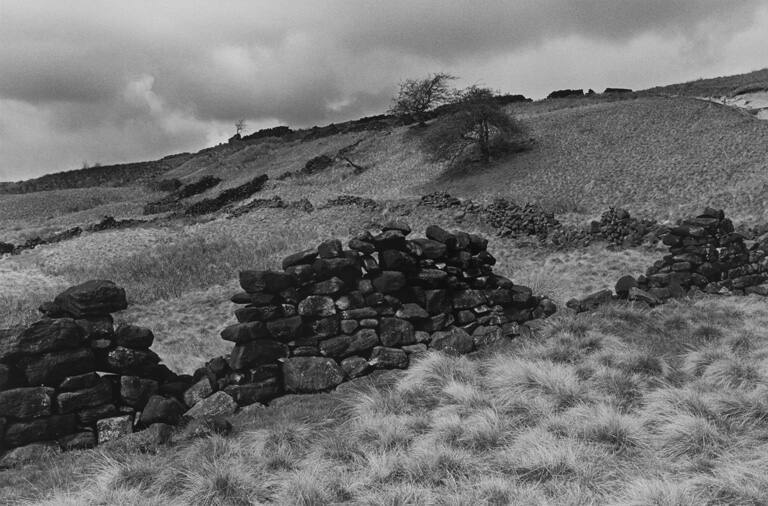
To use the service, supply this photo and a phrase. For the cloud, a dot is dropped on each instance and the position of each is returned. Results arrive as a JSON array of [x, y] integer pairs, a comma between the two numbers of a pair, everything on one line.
[[116, 81]]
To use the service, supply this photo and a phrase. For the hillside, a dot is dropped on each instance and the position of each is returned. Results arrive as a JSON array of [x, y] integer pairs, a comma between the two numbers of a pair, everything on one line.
[[628, 404], [658, 156], [715, 87]]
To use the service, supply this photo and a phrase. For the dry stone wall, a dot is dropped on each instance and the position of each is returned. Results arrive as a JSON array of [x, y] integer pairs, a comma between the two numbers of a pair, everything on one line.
[[705, 255], [336, 313], [72, 380]]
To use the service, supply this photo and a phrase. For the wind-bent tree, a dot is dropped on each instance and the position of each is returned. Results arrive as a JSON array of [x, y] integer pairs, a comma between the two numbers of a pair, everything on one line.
[[475, 119], [417, 97]]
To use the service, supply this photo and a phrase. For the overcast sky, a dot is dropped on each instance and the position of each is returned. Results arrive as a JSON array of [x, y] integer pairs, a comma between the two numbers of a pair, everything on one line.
[[114, 81]]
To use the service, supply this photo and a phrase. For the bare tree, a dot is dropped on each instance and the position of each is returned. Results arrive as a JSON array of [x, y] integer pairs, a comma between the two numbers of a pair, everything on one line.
[[416, 97], [240, 126], [475, 119]]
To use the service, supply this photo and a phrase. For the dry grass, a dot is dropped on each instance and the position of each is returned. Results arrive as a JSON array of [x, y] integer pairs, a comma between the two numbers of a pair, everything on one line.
[[527, 425]]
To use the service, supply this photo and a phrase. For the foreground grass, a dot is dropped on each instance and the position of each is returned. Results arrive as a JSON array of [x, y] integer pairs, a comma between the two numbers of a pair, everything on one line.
[[627, 406]]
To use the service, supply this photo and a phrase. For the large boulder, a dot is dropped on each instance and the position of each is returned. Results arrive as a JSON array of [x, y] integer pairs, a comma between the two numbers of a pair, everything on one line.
[[251, 393], [591, 301], [26, 403], [130, 361], [115, 427], [218, 404], [286, 329], [162, 410], [136, 391], [389, 358], [310, 374], [389, 281], [39, 429], [148, 440], [69, 402], [198, 392], [300, 258], [455, 341], [396, 332], [266, 281], [317, 306], [79, 382], [240, 333], [132, 336], [92, 298], [256, 353], [51, 368], [343, 346], [43, 336]]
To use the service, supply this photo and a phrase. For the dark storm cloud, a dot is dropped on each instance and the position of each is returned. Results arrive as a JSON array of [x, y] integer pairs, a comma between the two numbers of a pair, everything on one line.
[[109, 81]]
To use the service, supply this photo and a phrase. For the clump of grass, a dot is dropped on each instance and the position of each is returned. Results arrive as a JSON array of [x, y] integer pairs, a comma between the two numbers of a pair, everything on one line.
[[689, 436], [732, 373], [602, 424], [659, 492], [557, 382]]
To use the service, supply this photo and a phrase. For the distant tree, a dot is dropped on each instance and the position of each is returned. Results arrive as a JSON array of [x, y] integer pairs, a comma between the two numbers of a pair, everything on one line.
[[240, 126], [416, 97], [474, 118]]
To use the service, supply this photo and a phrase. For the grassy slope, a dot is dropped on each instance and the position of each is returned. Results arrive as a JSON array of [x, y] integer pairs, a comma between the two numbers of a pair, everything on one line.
[[715, 87], [661, 157], [625, 406]]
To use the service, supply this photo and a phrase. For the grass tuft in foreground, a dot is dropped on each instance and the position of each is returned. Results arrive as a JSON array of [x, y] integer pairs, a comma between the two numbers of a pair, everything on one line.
[[637, 415]]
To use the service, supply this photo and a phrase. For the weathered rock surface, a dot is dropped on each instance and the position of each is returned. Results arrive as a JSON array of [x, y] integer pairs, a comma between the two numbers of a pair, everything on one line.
[[310, 374], [95, 297]]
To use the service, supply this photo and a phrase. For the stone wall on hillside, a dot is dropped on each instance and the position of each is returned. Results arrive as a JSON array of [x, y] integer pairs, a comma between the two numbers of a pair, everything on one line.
[[705, 255], [71, 380], [334, 314]]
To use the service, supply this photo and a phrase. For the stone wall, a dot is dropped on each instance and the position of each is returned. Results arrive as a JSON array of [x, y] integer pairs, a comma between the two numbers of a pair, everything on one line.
[[333, 314], [705, 255], [72, 380]]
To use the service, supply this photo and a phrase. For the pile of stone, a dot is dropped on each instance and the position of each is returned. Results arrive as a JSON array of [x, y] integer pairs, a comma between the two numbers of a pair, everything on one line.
[[172, 201], [110, 223], [317, 164], [705, 255], [513, 220], [620, 229], [275, 202], [352, 200], [334, 314], [227, 197], [440, 200], [71, 379], [107, 223]]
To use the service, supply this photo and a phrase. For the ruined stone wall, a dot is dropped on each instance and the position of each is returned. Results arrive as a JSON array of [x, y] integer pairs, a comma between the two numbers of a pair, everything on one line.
[[705, 255], [334, 314], [72, 380]]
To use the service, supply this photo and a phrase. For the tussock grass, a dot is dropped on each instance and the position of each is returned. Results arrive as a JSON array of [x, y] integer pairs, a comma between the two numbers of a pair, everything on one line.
[[642, 413]]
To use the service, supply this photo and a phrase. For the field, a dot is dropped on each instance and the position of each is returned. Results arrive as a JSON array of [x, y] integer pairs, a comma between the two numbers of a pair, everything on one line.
[[627, 405]]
